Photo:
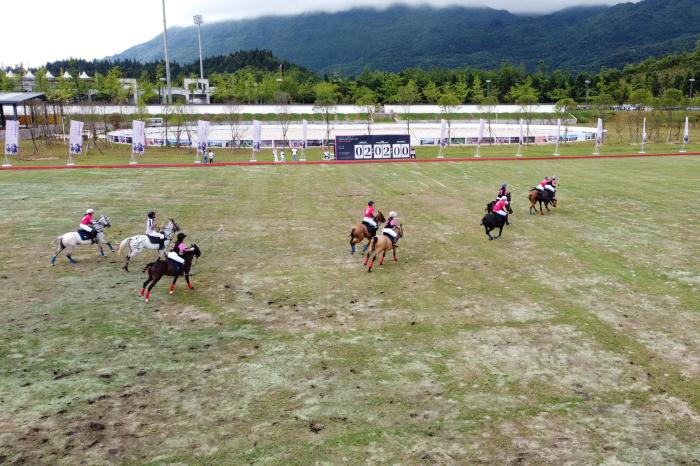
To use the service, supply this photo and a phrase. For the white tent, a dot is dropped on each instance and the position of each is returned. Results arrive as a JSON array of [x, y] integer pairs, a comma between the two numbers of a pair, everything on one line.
[[84, 75], [66, 75], [48, 75]]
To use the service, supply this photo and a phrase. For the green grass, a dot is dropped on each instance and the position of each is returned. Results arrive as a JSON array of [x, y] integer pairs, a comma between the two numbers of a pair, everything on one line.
[[572, 339]]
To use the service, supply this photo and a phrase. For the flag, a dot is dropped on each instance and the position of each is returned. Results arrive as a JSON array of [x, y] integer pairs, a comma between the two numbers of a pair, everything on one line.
[[138, 137], [686, 135], [644, 131], [12, 137], [303, 134], [599, 132], [522, 139], [202, 136], [481, 131], [76, 137], [443, 130], [257, 130]]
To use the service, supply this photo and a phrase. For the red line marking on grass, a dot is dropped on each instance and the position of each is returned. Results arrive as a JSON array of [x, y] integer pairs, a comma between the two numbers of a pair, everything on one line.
[[334, 162]]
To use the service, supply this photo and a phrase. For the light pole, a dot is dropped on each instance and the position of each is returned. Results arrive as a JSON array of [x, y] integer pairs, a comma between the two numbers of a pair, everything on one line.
[[198, 20], [169, 99], [587, 81], [692, 80], [488, 87]]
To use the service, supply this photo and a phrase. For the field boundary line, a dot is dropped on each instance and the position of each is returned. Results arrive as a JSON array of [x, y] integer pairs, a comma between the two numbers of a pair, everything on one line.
[[345, 162]]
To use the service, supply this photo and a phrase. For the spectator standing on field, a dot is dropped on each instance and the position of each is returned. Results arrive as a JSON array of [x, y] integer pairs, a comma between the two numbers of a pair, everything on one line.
[[274, 153], [282, 155], [294, 153], [211, 156]]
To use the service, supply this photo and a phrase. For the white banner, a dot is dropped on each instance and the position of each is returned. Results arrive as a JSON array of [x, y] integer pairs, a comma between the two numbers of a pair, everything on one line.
[[303, 133], [599, 132], [11, 137], [481, 131], [76, 137], [138, 137], [257, 134], [202, 136], [686, 134], [644, 131], [443, 130], [522, 138]]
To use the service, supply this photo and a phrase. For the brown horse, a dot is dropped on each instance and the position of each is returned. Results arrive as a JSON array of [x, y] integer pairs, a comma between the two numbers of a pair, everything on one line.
[[360, 232], [536, 196], [157, 269], [381, 244]]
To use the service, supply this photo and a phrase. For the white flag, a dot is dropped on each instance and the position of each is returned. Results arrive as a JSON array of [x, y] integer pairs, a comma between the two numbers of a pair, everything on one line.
[[76, 137], [443, 130], [481, 131], [303, 134], [599, 132], [522, 139], [644, 131], [558, 129], [257, 132], [686, 135], [202, 136], [11, 137], [138, 137]]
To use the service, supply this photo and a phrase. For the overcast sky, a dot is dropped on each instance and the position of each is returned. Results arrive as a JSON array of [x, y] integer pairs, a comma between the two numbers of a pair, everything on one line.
[[37, 31]]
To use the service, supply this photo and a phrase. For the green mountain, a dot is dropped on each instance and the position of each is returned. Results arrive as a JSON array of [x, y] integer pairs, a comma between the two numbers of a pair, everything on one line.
[[398, 37]]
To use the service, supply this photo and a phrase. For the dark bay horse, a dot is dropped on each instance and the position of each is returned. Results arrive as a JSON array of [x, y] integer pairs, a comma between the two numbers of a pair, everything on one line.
[[157, 269], [382, 244], [489, 206], [545, 196], [491, 221], [360, 232]]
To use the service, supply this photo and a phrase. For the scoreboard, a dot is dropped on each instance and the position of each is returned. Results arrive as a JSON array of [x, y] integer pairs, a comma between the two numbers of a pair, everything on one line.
[[372, 147]]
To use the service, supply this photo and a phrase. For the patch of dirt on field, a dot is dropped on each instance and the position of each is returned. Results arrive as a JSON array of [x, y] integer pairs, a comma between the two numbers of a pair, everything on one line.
[[186, 317], [558, 356]]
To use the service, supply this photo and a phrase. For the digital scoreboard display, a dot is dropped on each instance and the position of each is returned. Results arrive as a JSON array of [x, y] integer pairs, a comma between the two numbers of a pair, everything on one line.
[[372, 147]]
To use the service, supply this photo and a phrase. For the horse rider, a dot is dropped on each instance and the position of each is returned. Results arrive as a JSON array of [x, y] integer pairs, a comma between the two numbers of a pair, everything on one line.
[[152, 232], [86, 225], [368, 219], [503, 191], [501, 207], [177, 252], [549, 183], [388, 230]]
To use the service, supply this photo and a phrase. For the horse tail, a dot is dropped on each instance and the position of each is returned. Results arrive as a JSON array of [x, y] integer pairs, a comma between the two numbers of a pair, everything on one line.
[[148, 266], [352, 233], [122, 244], [373, 242]]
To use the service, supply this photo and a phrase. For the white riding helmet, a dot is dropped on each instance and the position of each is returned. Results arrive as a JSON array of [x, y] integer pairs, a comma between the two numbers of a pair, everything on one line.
[[392, 214], [89, 211], [504, 198]]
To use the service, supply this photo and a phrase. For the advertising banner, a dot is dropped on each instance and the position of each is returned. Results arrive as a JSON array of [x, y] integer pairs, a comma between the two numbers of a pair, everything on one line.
[[76, 137]]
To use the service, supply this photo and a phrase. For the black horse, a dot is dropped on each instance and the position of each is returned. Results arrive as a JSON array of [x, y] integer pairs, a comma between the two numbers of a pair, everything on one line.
[[545, 196], [489, 206], [492, 221], [157, 269]]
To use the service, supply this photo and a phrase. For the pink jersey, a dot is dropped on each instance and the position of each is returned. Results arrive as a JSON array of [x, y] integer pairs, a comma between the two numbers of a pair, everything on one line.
[[87, 220], [181, 248], [391, 223], [544, 182], [500, 205], [369, 211]]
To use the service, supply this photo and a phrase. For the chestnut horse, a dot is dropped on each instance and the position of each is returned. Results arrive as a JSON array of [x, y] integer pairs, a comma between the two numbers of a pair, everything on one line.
[[157, 269], [382, 244], [545, 196], [360, 232]]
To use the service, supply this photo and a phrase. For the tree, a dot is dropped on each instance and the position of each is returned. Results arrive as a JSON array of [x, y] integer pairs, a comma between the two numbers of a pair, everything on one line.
[[326, 102], [407, 95], [489, 104], [562, 109], [477, 91], [431, 92], [449, 103], [526, 97], [367, 103], [282, 101], [670, 100]]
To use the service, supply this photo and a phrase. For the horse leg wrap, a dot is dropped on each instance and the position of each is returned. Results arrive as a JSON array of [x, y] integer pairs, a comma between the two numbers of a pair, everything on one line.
[[148, 295], [366, 259], [381, 261], [189, 285], [172, 287], [396, 259], [143, 290]]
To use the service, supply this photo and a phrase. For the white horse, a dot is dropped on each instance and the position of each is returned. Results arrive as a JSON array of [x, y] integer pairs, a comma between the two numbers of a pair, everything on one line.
[[72, 239], [138, 243]]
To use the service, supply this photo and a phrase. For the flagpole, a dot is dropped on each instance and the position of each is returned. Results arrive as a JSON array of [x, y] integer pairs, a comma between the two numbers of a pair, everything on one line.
[[598, 137], [556, 149], [478, 141], [519, 152], [642, 150], [685, 137]]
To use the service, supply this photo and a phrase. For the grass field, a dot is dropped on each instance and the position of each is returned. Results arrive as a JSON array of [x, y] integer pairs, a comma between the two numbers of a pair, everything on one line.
[[573, 339]]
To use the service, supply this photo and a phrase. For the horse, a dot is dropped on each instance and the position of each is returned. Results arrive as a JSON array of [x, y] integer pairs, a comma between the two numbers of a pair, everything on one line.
[[492, 221], [70, 240], [157, 269], [138, 243], [381, 244], [545, 196], [360, 232], [489, 206]]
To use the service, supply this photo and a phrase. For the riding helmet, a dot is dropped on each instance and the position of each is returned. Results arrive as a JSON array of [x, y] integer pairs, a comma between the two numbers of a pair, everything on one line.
[[504, 198], [151, 214], [370, 203], [181, 236], [504, 185], [392, 214], [89, 211]]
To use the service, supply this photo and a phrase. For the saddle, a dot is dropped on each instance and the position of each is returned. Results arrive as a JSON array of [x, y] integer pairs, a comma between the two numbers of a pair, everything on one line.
[[175, 266], [153, 239], [86, 235]]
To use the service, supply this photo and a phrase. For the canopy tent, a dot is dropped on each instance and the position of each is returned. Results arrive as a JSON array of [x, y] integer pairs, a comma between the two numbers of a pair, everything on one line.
[[14, 99]]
